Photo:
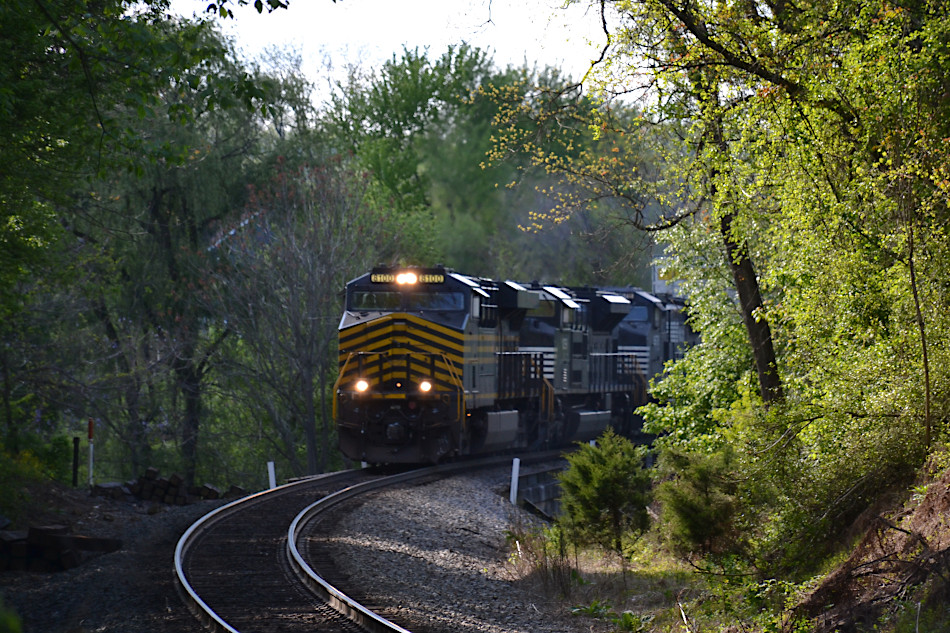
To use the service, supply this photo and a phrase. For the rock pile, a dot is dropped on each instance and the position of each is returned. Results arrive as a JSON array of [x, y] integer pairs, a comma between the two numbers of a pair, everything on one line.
[[171, 490], [49, 548]]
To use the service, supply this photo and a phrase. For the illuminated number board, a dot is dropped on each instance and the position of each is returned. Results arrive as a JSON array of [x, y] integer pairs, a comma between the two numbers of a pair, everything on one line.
[[390, 278]]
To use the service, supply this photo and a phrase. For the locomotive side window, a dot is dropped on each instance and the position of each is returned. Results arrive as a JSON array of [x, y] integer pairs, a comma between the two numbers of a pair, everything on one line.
[[575, 317], [567, 316]]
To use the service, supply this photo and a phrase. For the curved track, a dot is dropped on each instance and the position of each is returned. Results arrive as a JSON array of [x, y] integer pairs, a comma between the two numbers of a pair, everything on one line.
[[233, 569], [240, 570]]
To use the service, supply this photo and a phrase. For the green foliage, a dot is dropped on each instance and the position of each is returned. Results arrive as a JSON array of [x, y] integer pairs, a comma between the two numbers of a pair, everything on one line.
[[815, 135], [596, 609], [693, 396], [115, 321], [16, 472], [54, 455], [9, 621], [912, 617], [72, 73], [605, 493], [420, 130], [630, 621], [584, 172], [423, 129], [281, 299], [734, 595], [812, 141], [698, 503], [623, 621], [543, 552], [385, 116]]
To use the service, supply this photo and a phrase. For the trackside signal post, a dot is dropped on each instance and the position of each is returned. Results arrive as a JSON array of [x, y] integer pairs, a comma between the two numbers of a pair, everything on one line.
[[91, 428]]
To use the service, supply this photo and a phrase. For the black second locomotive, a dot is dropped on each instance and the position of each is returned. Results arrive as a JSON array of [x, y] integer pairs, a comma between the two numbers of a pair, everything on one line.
[[436, 364]]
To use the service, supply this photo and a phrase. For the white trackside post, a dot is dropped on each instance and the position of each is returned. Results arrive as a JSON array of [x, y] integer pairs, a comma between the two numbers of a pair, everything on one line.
[[271, 475], [515, 467]]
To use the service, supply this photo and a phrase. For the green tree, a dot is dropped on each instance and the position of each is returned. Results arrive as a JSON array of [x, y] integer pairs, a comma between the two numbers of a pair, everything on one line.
[[130, 342], [79, 82], [605, 491], [388, 118], [71, 69], [655, 168], [574, 180], [698, 505], [811, 145], [423, 128], [302, 236]]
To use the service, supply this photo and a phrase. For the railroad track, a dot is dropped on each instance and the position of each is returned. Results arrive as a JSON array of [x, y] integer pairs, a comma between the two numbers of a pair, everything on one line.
[[240, 570], [233, 570]]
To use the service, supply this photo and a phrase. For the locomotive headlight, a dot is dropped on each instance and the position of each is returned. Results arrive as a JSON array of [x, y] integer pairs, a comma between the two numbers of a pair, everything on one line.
[[425, 386], [362, 385], [406, 279]]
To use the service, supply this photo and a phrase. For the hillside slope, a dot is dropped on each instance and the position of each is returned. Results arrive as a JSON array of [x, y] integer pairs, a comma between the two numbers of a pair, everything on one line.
[[899, 570]]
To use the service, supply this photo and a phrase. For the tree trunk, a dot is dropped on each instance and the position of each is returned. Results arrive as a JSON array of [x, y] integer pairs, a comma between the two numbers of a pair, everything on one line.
[[12, 441], [310, 418], [189, 385], [747, 289], [750, 302], [922, 328], [326, 416]]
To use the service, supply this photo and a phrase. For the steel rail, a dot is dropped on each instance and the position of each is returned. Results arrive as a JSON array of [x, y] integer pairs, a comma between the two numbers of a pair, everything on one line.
[[204, 613]]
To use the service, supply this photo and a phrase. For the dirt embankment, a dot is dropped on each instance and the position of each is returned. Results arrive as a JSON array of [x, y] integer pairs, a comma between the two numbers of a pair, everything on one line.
[[903, 558]]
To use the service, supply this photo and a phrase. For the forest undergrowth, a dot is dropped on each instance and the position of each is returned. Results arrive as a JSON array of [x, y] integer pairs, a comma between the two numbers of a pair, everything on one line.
[[889, 574]]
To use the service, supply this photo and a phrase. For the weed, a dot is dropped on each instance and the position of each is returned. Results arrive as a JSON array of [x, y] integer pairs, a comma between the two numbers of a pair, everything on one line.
[[596, 609], [630, 621]]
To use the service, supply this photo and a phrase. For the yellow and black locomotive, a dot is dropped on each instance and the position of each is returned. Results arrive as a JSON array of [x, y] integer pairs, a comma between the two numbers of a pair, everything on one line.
[[436, 364]]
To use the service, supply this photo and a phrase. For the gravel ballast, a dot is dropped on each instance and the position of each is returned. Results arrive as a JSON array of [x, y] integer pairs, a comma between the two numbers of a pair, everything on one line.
[[438, 555], [129, 591]]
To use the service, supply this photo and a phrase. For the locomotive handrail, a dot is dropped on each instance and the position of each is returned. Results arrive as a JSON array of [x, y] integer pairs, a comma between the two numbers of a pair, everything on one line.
[[620, 375], [336, 384], [459, 387], [547, 399]]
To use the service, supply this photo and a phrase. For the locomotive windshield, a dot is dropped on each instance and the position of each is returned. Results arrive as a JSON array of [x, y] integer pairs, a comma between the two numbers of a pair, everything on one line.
[[373, 300]]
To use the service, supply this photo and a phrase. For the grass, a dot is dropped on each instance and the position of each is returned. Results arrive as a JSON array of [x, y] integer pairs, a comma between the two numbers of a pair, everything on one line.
[[647, 596]]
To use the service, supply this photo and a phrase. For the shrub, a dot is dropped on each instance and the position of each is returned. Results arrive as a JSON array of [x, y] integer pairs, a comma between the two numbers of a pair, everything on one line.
[[15, 471], [697, 502], [9, 622], [605, 493]]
